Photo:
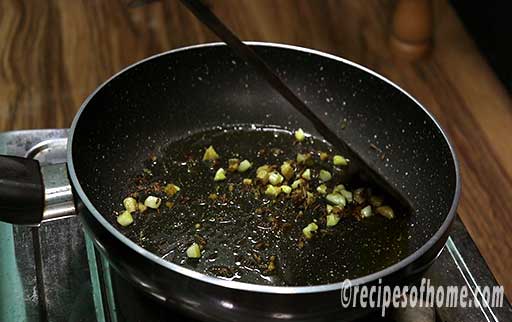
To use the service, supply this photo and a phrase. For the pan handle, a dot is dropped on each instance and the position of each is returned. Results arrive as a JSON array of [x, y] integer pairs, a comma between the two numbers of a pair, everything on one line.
[[21, 191], [31, 194]]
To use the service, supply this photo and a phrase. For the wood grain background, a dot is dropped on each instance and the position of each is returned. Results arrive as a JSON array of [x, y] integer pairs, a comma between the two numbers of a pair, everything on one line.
[[54, 53]]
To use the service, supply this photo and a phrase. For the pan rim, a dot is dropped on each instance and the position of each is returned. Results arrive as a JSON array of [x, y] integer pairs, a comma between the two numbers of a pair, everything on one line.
[[256, 287]]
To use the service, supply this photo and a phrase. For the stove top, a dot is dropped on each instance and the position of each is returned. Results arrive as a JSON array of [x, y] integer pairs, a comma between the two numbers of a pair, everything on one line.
[[54, 273]]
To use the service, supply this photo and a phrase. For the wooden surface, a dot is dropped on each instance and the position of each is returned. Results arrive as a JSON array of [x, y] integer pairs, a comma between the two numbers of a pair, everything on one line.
[[54, 53]]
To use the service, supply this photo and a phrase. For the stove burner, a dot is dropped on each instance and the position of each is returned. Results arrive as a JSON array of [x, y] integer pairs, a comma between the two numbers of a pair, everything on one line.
[[54, 273]]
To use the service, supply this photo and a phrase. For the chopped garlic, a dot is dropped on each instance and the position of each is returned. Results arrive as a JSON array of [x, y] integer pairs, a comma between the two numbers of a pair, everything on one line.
[[324, 156], [310, 198], [244, 166], [210, 154], [152, 202], [338, 188], [309, 229], [194, 251], [271, 264], [347, 194], [306, 174], [263, 172], [287, 170], [296, 183], [299, 135], [125, 218], [336, 199], [130, 204], [171, 189], [286, 189], [322, 189], [385, 211], [272, 191], [275, 178], [302, 158], [325, 175], [220, 175], [366, 212], [247, 181], [332, 220], [339, 160]]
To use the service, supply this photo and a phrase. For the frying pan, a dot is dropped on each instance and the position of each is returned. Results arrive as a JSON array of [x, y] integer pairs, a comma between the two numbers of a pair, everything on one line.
[[185, 90]]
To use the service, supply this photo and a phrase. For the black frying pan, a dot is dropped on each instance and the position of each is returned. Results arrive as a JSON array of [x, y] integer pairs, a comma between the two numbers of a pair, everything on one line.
[[167, 96]]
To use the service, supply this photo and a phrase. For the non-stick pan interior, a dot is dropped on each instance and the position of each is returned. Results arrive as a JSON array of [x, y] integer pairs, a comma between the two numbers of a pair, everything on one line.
[[176, 93]]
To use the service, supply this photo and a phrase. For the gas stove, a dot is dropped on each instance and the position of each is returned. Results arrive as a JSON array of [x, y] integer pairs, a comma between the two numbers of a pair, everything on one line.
[[54, 273]]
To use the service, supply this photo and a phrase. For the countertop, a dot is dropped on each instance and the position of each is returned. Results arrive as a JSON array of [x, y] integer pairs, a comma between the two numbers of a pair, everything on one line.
[[54, 53]]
